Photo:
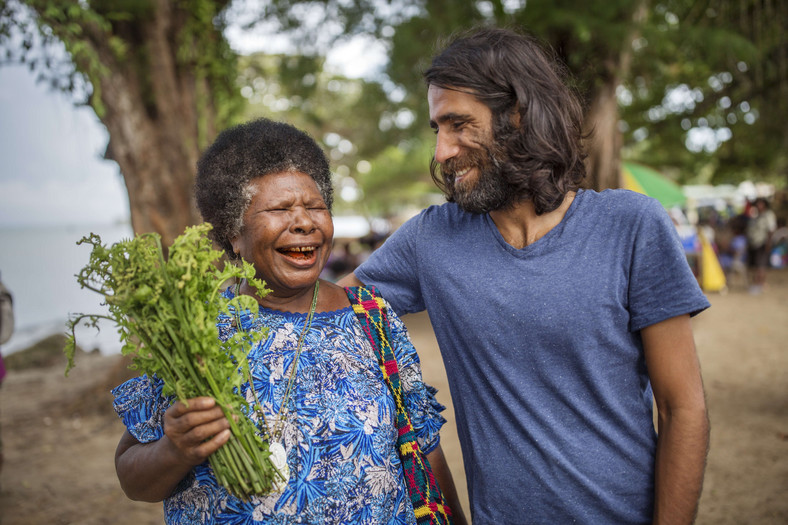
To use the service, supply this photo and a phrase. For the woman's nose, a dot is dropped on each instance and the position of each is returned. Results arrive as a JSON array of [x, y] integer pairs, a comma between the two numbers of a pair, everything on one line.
[[302, 220], [445, 148]]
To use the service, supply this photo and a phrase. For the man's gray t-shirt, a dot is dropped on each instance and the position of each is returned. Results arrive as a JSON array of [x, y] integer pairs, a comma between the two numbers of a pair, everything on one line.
[[543, 352]]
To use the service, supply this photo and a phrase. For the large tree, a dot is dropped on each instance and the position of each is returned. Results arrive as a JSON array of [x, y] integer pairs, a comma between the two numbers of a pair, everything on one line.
[[162, 78], [159, 75], [631, 60], [715, 107], [595, 43]]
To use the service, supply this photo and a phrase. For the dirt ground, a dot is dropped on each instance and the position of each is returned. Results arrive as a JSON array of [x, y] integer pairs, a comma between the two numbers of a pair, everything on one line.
[[59, 437]]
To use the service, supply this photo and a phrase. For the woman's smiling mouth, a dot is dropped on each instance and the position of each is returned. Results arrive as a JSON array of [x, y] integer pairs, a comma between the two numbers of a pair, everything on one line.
[[300, 253]]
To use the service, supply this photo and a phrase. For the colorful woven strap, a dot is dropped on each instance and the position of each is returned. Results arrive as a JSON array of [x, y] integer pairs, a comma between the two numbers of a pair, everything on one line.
[[425, 495]]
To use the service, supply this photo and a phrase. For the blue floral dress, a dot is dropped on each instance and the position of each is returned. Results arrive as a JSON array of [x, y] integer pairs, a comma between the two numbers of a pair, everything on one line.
[[339, 435]]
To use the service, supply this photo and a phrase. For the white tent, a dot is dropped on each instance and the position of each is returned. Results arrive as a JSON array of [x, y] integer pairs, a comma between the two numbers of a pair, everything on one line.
[[350, 227]]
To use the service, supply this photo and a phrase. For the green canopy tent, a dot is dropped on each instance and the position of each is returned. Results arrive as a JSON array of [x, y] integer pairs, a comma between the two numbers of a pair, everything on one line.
[[647, 181]]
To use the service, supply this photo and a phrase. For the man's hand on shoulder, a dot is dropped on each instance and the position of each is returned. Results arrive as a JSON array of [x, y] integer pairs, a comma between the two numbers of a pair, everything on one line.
[[350, 280]]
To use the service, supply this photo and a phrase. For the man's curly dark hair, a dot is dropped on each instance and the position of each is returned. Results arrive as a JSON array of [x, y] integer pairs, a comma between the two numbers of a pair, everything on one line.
[[515, 75], [243, 153]]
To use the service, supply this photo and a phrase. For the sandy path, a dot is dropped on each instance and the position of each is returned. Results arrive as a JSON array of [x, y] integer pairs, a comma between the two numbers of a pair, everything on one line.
[[59, 443]]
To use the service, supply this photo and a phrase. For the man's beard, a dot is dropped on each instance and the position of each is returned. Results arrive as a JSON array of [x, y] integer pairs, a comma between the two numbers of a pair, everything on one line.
[[489, 190]]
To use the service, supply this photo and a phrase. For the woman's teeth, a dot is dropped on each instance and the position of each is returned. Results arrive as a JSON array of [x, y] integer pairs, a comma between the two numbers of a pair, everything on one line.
[[301, 252]]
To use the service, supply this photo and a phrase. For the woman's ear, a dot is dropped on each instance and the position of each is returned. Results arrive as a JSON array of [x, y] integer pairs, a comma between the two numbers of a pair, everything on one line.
[[236, 244]]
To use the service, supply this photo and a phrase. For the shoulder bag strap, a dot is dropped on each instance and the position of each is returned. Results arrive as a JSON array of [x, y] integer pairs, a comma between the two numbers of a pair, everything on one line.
[[426, 497]]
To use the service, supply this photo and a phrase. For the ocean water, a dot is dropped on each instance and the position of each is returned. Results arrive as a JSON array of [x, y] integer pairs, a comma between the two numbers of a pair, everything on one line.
[[38, 265]]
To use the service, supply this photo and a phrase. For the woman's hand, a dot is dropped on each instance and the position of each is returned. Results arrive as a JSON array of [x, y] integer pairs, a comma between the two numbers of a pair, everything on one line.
[[197, 428], [192, 431]]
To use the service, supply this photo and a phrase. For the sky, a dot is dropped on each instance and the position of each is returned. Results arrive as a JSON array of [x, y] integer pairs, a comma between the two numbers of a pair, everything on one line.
[[52, 170]]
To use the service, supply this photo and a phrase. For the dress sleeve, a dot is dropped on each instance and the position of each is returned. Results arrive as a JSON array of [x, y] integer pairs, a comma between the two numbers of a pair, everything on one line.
[[420, 402], [141, 406], [393, 269]]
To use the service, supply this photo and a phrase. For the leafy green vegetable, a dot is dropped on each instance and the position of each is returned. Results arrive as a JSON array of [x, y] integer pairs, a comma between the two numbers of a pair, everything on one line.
[[166, 311]]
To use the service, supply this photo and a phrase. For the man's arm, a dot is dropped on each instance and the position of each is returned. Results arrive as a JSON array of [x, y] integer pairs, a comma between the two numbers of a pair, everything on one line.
[[683, 425], [446, 482], [350, 280]]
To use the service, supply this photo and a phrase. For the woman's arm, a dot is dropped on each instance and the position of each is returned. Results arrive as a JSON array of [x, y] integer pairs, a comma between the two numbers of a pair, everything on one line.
[[683, 425], [151, 471], [446, 482]]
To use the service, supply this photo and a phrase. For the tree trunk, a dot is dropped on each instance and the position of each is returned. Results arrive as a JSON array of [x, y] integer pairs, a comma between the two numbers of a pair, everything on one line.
[[604, 146], [152, 121], [155, 104], [601, 121]]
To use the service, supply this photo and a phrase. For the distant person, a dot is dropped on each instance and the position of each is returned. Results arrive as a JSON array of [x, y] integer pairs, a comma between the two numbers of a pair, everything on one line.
[[6, 317], [557, 309], [317, 390], [340, 262], [733, 251], [6, 331], [760, 228]]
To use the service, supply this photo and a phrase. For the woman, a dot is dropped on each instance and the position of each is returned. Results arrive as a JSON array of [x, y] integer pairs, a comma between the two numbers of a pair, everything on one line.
[[265, 187]]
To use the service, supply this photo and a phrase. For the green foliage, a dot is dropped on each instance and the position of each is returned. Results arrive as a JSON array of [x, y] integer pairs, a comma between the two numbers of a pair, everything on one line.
[[695, 75], [105, 38], [354, 120], [203, 49], [399, 176], [650, 48], [42, 25], [166, 312], [729, 58]]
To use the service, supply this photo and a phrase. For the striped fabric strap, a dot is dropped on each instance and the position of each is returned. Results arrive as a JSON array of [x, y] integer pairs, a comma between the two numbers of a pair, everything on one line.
[[426, 497]]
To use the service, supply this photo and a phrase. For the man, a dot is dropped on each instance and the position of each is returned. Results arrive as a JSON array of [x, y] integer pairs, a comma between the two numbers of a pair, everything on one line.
[[557, 309], [760, 229]]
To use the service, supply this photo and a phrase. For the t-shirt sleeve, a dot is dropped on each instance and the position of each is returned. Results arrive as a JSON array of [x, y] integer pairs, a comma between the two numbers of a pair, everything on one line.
[[420, 402], [661, 283], [393, 269], [141, 406]]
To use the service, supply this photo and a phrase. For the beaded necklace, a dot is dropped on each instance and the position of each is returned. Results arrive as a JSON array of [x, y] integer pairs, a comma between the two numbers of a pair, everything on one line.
[[274, 434]]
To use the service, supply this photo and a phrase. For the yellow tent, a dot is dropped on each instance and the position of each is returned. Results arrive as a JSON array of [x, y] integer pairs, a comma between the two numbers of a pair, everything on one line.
[[712, 278]]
